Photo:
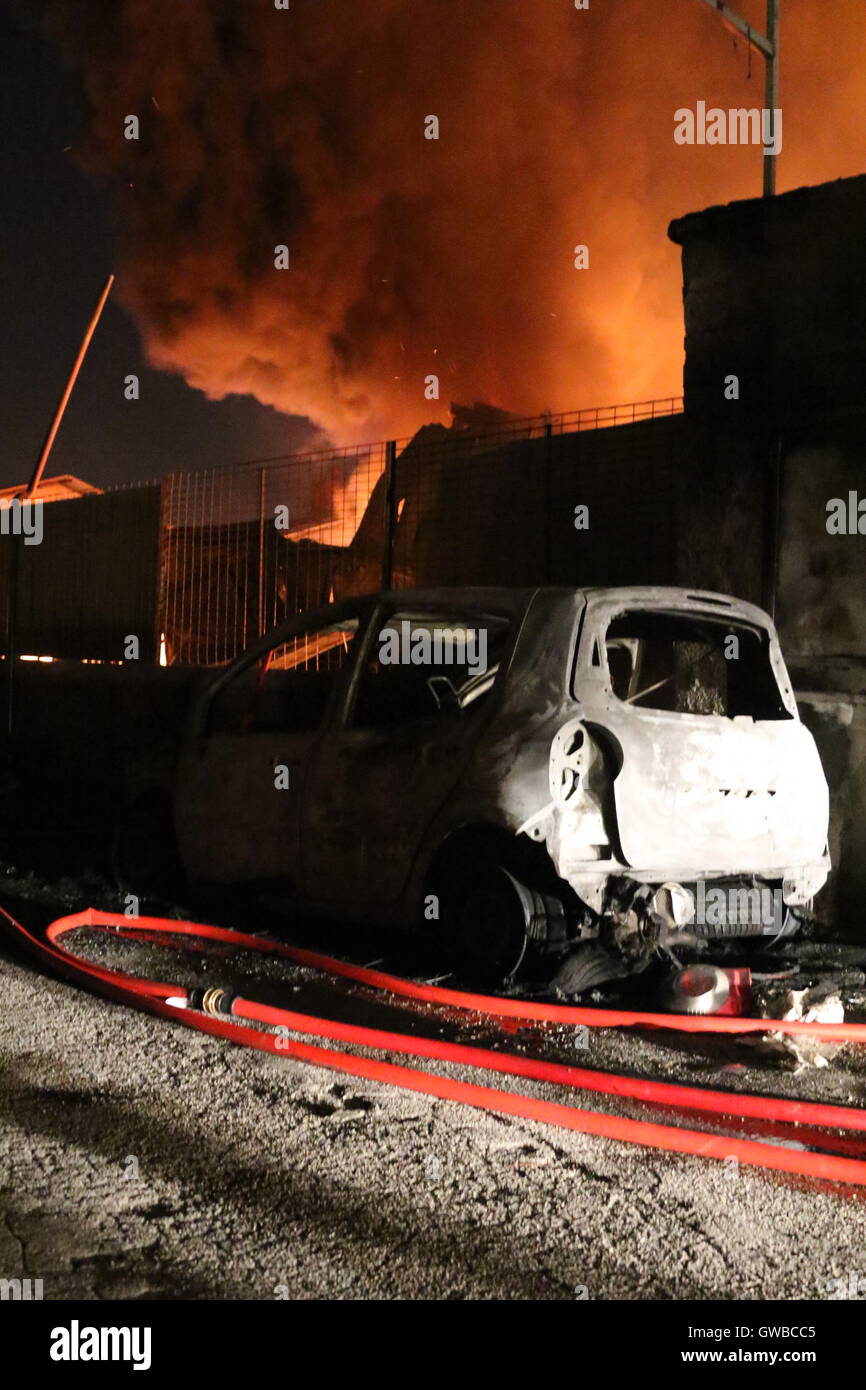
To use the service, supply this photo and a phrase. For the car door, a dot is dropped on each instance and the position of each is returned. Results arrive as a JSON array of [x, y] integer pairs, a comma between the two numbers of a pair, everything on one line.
[[241, 776], [413, 719]]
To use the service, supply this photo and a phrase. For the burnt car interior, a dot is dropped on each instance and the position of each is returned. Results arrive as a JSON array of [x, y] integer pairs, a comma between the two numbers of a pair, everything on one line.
[[398, 693], [688, 664]]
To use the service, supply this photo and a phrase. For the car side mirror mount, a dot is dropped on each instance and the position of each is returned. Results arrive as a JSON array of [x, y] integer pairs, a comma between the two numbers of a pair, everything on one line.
[[444, 693]]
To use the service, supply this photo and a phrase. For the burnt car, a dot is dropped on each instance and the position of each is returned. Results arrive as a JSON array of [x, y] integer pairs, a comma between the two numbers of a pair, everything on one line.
[[536, 775]]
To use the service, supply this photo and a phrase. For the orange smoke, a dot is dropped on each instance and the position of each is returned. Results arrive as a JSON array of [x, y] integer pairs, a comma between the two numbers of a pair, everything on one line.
[[412, 257]]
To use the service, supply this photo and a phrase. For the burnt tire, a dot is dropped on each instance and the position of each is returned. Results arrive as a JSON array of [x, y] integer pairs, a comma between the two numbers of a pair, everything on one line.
[[144, 855], [588, 966], [488, 919]]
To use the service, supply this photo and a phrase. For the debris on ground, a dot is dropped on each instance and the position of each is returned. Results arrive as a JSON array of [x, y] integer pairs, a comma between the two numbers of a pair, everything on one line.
[[809, 1005]]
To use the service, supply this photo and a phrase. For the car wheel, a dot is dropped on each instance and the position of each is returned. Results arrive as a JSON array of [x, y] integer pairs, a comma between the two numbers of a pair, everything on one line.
[[489, 920], [144, 854]]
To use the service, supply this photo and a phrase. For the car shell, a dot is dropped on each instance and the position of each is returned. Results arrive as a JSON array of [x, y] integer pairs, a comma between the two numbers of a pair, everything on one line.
[[551, 758]]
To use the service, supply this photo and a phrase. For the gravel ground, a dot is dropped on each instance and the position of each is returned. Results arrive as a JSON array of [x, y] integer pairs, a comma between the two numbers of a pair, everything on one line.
[[140, 1160]]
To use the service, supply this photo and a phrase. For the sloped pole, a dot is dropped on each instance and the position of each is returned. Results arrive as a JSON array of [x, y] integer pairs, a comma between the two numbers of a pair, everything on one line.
[[14, 566], [64, 399]]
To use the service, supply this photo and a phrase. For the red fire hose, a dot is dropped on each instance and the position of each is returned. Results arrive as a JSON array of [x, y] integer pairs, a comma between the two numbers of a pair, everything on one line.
[[212, 1010]]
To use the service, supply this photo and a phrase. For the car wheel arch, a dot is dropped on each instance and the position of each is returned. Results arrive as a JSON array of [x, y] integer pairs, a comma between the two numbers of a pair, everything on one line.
[[482, 841]]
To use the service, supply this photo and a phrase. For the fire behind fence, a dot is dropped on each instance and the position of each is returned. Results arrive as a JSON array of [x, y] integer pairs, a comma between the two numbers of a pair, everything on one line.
[[245, 547], [197, 565]]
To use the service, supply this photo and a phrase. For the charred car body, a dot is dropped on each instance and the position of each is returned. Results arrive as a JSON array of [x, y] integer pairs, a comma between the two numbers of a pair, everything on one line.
[[536, 774]]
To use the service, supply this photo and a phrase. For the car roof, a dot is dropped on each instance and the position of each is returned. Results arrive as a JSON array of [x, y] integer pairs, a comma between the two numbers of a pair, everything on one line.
[[516, 601], [474, 593], [614, 595]]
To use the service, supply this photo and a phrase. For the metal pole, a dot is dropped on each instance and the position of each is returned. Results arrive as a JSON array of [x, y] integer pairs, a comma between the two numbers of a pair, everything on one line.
[[390, 514], [772, 524], [771, 99], [768, 46], [64, 399], [14, 566], [12, 569], [260, 621], [548, 466]]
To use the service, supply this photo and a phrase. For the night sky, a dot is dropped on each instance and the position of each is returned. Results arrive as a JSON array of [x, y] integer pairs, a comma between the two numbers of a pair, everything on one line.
[[56, 248]]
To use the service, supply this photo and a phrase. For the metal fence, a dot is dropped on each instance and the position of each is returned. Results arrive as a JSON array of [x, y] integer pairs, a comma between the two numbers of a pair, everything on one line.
[[201, 563], [247, 546]]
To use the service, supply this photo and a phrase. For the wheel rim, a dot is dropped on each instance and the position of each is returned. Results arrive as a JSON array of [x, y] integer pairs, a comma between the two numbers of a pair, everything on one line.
[[493, 925]]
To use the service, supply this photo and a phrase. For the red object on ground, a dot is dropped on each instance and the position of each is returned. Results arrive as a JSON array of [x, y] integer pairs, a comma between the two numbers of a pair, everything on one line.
[[740, 997], [153, 996]]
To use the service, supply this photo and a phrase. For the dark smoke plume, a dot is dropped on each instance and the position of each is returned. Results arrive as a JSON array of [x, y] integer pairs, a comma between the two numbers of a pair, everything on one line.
[[411, 257]]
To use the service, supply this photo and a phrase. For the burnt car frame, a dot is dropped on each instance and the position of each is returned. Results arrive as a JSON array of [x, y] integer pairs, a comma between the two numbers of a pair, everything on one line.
[[571, 796]]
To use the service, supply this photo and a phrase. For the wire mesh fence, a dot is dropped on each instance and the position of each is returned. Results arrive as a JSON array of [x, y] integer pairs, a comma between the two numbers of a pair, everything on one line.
[[196, 566], [245, 547]]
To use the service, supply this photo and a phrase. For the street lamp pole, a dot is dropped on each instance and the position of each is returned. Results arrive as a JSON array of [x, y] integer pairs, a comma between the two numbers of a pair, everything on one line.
[[768, 46]]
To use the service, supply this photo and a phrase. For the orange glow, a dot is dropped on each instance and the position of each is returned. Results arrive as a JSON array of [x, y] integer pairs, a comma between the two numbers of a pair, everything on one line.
[[452, 257]]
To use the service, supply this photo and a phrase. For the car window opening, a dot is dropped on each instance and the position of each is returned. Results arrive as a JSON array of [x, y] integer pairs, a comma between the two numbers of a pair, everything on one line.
[[288, 688], [688, 664], [429, 665]]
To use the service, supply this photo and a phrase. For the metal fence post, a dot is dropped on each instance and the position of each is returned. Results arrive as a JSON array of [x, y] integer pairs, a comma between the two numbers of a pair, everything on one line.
[[390, 514], [160, 598], [12, 574], [548, 469], [260, 623]]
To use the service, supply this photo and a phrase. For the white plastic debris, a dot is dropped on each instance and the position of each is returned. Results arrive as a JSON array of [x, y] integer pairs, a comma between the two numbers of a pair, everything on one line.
[[809, 1052]]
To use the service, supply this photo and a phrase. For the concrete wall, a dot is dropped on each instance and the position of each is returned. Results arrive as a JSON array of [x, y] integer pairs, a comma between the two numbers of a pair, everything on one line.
[[838, 725], [775, 293], [822, 576], [93, 579], [87, 737]]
